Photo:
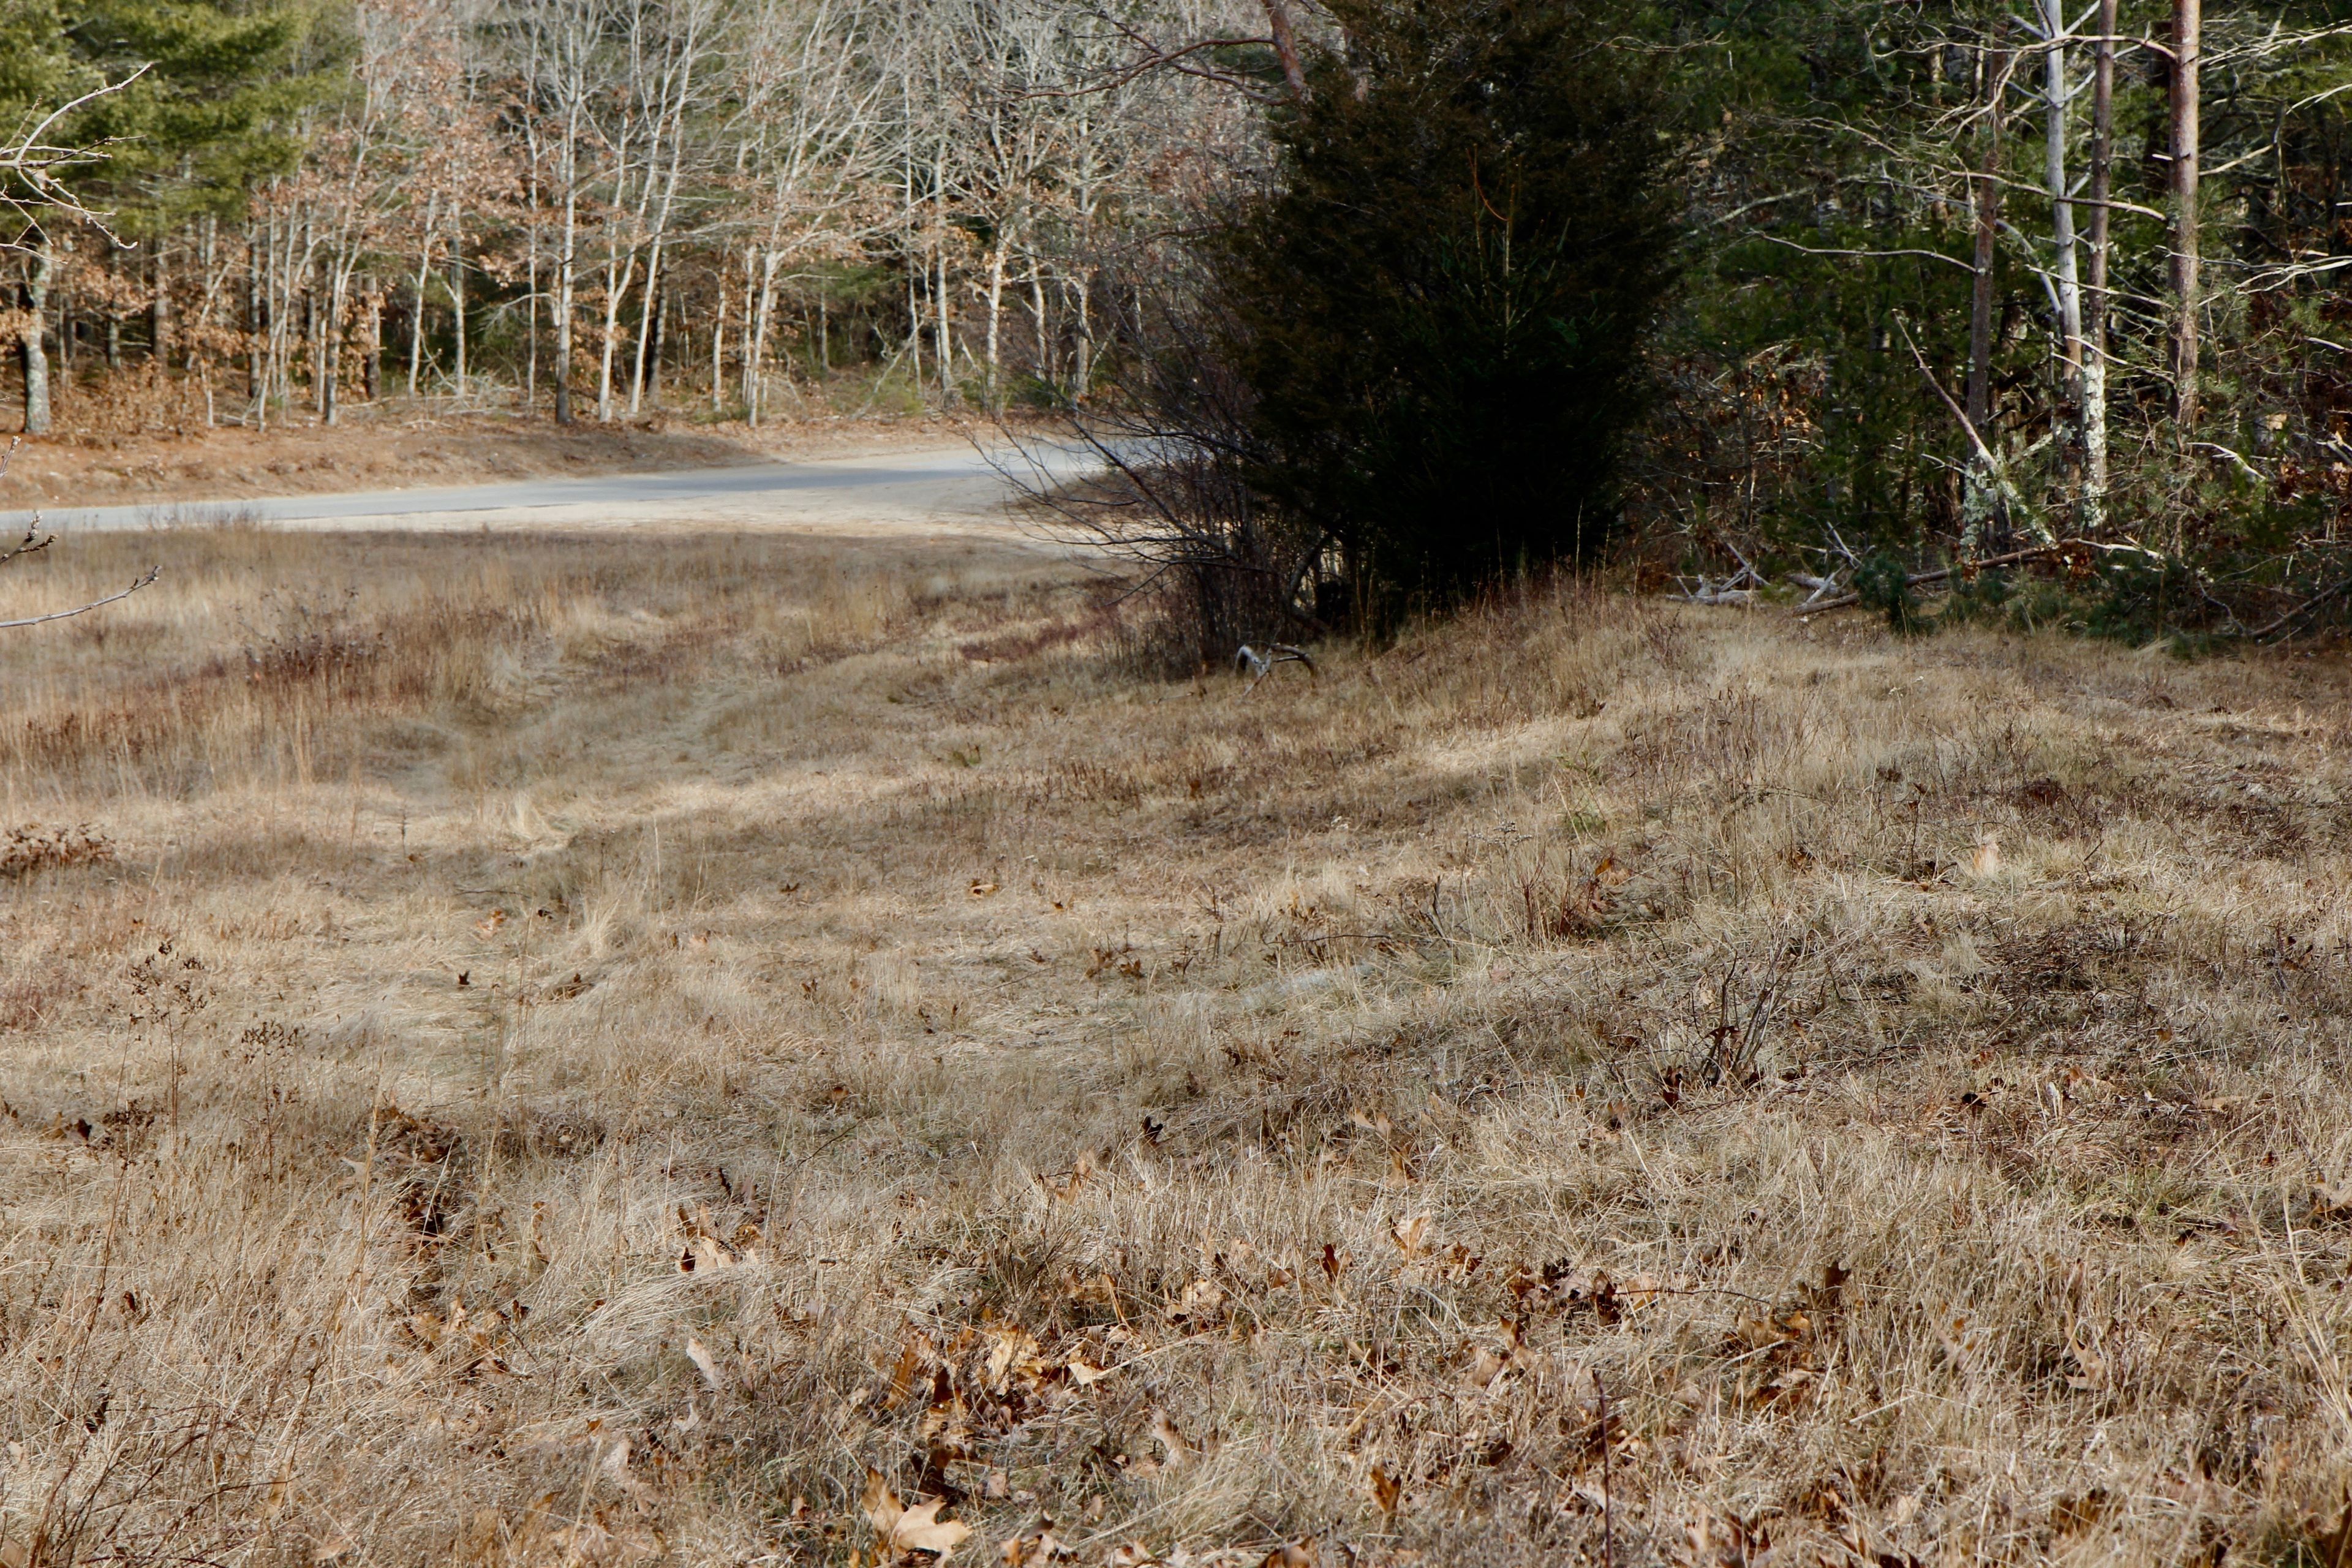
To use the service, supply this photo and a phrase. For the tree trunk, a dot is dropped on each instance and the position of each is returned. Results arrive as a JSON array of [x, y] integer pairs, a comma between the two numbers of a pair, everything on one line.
[[199, 353], [718, 349], [995, 316], [329, 356], [2187, 25], [943, 346], [1980, 501], [744, 349], [2056, 93], [29, 345], [416, 306], [648, 311], [1045, 366], [564, 285], [2095, 323], [567, 267], [372, 343], [531, 291], [253, 318], [159, 313], [761, 315], [458, 301], [658, 330], [618, 275]]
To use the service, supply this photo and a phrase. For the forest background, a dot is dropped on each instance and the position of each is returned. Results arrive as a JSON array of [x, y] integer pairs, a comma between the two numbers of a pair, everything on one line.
[[1955, 281]]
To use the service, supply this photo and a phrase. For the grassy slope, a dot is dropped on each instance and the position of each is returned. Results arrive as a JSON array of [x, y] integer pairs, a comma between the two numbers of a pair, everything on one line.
[[1906, 1077]]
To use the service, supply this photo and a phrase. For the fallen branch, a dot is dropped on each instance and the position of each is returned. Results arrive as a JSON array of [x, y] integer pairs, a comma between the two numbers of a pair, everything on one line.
[[1820, 585], [1941, 574], [1730, 591], [1261, 665]]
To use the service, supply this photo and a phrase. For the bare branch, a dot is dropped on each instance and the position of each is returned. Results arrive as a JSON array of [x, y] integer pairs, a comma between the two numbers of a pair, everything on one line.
[[152, 573]]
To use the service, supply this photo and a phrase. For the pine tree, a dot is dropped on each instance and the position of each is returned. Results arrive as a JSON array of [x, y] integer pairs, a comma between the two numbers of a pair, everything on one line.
[[213, 115]]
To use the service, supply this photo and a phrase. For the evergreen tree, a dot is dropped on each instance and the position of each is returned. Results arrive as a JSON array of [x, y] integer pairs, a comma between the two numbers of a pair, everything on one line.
[[1439, 309], [212, 117]]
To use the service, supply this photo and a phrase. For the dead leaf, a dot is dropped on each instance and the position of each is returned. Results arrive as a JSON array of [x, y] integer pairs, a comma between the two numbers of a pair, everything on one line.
[[487, 926], [1298, 1554], [1179, 1452], [706, 1255], [1986, 861], [1134, 1554], [912, 1360], [1012, 1353], [1201, 1302], [703, 1361], [2093, 1376], [1068, 1187], [1408, 1234], [1612, 872], [1087, 1376], [982, 890], [902, 1529], [1387, 1491], [328, 1551]]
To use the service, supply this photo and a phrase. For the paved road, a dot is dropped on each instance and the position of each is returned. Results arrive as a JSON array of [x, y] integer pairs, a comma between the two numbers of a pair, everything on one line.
[[928, 488]]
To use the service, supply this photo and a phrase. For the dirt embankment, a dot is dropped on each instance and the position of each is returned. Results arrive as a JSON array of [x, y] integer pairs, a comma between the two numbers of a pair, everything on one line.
[[381, 451]]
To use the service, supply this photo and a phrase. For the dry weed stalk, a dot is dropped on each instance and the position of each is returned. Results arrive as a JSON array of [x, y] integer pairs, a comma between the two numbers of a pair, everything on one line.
[[592, 1055]]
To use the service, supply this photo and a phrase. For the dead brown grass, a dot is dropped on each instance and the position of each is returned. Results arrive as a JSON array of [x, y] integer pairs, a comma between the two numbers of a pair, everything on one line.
[[583, 1051]]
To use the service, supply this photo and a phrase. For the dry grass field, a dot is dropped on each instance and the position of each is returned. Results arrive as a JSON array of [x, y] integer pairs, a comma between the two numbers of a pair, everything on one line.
[[540, 1050]]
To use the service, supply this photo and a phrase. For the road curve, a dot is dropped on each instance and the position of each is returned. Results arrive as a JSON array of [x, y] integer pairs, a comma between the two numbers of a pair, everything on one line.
[[927, 490]]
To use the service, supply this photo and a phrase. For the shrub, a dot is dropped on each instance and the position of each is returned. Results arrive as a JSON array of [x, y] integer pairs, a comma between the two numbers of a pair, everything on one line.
[[1438, 308]]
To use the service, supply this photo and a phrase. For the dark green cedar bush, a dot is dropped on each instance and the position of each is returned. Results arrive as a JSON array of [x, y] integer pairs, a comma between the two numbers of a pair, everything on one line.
[[1438, 308]]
